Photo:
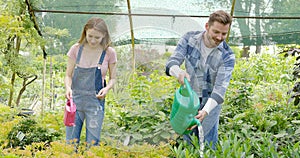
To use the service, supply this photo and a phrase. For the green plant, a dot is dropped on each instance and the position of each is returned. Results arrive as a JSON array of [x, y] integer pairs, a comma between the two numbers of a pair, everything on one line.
[[140, 124], [140, 93], [27, 132], [183, 149], [293, 50], [8, 119]]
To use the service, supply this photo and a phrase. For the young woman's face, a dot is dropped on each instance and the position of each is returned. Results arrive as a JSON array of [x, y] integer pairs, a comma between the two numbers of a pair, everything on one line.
[[94, 37], [216, 33]]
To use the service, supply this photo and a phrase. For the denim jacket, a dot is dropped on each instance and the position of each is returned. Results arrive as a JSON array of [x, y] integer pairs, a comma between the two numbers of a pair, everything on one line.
[[210, 79]]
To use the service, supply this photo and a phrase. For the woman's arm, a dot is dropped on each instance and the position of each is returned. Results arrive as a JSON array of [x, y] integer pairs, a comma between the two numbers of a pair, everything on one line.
[[68, 77], [112, 75]]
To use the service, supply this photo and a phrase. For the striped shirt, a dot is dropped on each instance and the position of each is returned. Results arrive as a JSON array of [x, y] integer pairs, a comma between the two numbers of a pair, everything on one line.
[[210, 78]]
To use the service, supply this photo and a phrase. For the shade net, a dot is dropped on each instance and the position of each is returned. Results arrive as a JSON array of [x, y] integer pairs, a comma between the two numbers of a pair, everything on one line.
[[255, 22]]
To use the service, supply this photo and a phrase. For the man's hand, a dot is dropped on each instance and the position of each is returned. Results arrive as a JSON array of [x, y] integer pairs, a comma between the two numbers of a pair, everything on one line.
[[183, 75], [201, 115]]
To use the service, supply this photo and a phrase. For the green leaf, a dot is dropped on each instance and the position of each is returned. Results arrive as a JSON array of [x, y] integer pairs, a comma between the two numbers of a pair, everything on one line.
[[280, 135], [296, 121], [165, 135], [297, 131], [156, 139]]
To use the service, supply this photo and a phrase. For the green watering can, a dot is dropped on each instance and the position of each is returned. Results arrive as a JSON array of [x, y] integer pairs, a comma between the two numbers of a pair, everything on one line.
[[184, 109]]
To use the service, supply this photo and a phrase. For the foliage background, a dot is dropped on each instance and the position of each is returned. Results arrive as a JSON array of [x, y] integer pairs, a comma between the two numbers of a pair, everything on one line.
[[256, 120]]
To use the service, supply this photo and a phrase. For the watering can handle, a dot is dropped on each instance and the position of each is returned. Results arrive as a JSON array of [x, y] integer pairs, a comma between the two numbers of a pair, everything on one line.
[[197, 122], [71, 102], [190, 91]]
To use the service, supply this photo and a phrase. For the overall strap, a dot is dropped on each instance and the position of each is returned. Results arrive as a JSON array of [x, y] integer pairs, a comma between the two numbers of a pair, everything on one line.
[[79, 54], [102, 57], [99, 72]]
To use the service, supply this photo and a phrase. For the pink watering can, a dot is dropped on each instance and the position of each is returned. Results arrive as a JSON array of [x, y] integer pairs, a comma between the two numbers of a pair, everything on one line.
[[70, 113]]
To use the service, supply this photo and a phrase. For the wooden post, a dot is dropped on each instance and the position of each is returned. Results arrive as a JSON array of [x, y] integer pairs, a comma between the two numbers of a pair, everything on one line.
[[231, 13], [132, 35]]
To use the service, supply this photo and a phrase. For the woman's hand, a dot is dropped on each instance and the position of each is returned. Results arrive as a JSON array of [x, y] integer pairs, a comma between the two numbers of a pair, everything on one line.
[[69, 93], [102, 93]]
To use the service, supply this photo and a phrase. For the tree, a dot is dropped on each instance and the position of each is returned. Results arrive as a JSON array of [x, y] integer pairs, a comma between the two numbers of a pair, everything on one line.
[[285, 31], [16, 26]]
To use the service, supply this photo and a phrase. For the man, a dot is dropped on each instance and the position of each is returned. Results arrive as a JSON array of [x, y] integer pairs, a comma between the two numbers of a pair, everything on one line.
[[209, 63]]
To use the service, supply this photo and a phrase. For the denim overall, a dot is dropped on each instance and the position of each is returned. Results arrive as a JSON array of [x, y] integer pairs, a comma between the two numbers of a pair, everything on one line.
[[86, 83]]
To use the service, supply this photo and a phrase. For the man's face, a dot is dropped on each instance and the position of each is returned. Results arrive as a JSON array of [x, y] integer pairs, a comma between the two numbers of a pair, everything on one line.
[[216, 33]]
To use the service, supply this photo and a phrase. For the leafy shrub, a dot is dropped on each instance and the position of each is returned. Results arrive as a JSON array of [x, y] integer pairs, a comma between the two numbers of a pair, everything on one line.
[[61, 149], [27, 132], [144, 115], [7, 120], [294, 50]]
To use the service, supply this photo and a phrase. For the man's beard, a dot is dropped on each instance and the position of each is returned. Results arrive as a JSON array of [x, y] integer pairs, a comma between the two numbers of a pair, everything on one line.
[[212, 42]]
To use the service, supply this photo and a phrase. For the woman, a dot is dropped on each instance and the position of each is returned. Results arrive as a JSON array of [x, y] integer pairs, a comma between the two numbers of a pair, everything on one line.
[[88, 63]]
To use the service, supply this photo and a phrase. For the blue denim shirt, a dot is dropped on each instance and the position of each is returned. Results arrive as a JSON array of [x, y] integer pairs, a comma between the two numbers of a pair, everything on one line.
[[210, 79]]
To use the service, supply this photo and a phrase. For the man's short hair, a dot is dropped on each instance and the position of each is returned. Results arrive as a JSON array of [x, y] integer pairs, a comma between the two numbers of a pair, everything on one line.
[[221, 17]]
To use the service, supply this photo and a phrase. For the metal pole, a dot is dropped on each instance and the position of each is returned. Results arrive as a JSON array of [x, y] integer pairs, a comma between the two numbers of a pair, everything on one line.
[[161, 15]]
